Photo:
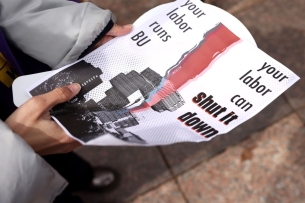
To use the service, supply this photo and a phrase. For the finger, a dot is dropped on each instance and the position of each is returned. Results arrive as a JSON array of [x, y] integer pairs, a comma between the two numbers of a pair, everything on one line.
[[59, 142], [59, 95], [119, 30], [104, 40], [60, 149]]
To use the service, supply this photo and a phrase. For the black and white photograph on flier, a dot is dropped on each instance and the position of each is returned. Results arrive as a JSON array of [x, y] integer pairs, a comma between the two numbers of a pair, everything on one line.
[[86, 119]]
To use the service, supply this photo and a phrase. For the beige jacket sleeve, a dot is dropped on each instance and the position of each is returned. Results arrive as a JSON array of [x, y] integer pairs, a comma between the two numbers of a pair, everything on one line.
[[25, 176]]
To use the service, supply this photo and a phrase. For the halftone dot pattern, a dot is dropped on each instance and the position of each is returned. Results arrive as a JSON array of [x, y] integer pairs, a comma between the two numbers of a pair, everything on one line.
[[114, 60], [164, 127]]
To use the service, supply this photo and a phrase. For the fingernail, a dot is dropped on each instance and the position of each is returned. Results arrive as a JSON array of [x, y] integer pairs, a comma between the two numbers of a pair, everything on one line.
[[75, 88], [127, 26]]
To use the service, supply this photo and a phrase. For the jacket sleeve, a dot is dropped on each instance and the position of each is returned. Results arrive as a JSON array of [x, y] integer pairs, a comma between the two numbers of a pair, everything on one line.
[[55, 32], [25, 176]]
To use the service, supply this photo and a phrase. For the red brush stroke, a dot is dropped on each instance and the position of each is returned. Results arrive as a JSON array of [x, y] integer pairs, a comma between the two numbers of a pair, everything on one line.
[[215, 42]]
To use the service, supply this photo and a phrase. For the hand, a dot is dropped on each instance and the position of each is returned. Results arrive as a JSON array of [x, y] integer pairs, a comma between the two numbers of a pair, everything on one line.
[[32, 122], [116, 31]]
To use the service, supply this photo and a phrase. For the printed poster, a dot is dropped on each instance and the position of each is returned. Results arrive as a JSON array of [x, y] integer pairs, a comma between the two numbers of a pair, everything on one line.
[[181, 76]]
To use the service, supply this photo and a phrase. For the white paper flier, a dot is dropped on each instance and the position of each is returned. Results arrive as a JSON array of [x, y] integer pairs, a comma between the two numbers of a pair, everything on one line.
[[180, 77]]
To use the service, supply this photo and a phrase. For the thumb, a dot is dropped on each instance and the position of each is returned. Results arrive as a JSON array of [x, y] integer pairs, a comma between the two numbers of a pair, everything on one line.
[[118, 30], [60, 95]]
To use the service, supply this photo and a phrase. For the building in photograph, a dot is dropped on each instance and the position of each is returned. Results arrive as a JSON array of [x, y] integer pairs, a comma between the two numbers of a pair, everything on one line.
[[87, 120], [170, 103], [125, 85]]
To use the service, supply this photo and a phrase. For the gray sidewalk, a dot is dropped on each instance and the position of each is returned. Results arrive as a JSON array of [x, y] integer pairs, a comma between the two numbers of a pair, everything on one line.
[[262, 160]]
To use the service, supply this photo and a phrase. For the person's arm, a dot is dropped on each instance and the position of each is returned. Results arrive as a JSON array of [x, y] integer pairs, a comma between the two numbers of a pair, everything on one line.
[[32, 122], [55, 32], [25, 176]]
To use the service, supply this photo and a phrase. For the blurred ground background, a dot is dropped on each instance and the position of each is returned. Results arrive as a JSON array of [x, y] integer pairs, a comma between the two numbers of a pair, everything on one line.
[[261, 161]]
